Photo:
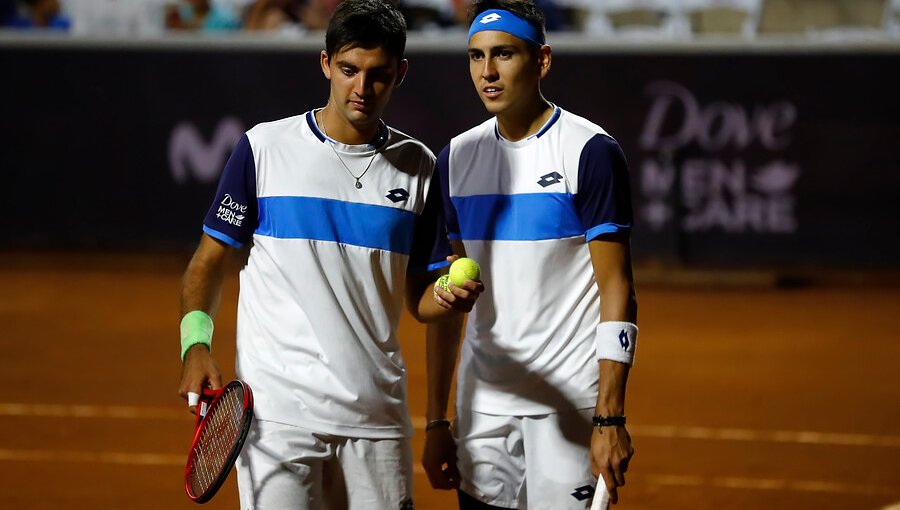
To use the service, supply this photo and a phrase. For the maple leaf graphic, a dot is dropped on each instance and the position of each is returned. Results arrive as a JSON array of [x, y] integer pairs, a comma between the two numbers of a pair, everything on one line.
[[776, 177]]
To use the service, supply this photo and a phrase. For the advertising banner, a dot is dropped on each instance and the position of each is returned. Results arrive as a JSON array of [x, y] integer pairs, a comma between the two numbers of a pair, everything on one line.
[[736, 159]]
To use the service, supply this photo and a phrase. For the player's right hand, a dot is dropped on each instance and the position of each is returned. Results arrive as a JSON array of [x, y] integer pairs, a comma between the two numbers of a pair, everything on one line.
[[439, 459], [199, 371], [611, 451]]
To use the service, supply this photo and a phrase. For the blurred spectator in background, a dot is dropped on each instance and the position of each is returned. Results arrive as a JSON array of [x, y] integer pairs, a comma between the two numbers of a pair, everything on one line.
[[456, 11], [116, 18], [431, 14], [201, 15], [124, 18], [289, 14], [273, 14], [30, 14], [318, 12]]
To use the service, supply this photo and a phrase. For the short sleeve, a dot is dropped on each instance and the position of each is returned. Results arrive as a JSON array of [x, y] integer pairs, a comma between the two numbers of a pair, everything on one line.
[[443, 171], [430, 245], [603, 199], [234, 215]]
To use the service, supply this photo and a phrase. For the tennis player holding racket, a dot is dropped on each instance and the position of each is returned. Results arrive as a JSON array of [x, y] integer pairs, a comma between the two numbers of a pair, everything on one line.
[[340, 219], [540, 198]]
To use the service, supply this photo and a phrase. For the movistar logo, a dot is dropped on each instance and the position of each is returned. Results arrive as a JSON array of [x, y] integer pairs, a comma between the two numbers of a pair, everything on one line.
[[490, 18], [190, 155]]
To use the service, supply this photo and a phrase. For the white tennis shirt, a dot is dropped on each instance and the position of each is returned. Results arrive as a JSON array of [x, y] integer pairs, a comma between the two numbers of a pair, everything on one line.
[[525, 211], [322, 291]]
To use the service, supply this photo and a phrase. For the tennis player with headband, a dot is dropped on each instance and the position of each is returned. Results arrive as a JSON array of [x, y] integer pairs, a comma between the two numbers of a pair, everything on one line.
[[541, 198]]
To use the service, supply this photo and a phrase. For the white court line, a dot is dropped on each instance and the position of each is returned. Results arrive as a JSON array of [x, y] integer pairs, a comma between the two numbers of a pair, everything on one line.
[[769, 484], [765, 436], [56, 456], [651, 431], [662, 480], [91, 411]]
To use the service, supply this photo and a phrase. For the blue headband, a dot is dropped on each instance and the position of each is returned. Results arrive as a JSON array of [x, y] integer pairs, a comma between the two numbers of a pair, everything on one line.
[[505, 21]]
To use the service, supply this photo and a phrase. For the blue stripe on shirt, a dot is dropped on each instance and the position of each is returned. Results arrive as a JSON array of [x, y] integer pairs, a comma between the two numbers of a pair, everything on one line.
[[221, 236], [365, 225], [606, 228], [437, 265], [521, 217]]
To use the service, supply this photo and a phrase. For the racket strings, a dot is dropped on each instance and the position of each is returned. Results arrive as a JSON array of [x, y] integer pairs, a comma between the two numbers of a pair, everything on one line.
[[217, 440]]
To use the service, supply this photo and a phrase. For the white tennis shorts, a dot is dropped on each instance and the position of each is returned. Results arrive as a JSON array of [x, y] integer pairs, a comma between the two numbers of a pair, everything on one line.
[[537, 462], [282, 466]]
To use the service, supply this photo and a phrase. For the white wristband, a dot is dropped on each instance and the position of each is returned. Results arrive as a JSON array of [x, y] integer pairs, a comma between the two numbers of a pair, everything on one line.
[[616, 341]]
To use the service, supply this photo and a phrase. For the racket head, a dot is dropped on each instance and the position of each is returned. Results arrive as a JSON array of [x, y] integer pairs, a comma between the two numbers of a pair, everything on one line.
[[221, 431]]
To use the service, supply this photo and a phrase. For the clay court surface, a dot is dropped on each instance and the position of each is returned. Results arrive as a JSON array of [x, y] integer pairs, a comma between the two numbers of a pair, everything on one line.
[[743, 396]]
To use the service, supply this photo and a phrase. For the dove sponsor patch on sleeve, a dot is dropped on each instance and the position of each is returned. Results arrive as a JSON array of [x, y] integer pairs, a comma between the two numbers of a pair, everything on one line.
[[233, 216], [231, 211]]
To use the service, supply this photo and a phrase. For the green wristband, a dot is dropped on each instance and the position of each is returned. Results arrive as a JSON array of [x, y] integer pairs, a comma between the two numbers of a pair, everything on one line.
[[196, 328]]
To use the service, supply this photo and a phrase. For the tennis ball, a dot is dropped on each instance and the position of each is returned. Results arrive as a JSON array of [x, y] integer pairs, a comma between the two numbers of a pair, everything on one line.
[[464, 269], [443, 282]]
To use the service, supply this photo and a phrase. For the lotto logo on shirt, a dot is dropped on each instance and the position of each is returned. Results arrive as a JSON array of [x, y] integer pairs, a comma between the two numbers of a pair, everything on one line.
[[231, 211]]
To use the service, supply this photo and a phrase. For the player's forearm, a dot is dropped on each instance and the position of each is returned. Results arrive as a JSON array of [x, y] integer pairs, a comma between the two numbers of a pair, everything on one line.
[[611, 396], [201, 287], [617, 297], [611, 262], [442, 345], [618, 303], [419, 300]]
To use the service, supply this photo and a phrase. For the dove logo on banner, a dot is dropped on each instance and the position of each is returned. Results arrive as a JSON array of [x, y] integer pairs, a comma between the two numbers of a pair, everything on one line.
[[191, 156], [729, 159]]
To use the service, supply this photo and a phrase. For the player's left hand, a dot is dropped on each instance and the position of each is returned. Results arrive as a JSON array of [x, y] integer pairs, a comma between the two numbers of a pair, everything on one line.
[[611, 451]]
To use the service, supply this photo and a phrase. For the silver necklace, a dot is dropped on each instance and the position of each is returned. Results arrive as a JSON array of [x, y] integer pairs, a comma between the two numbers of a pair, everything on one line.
[[358, 184]]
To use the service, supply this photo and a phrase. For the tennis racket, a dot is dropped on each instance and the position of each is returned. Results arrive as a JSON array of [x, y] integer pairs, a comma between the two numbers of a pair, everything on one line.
[[223, 419]]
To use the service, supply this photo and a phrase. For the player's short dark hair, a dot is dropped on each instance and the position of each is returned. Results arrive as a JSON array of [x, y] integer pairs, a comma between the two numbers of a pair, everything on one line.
[[366, 24], [525, 9]]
